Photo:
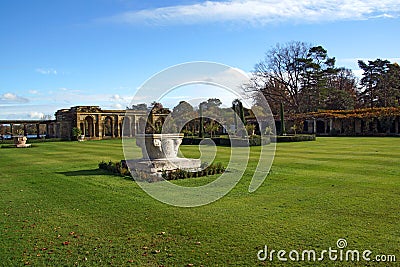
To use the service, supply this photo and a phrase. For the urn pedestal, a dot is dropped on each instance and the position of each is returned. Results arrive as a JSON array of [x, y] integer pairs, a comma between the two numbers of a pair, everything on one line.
[[160, 153], [20, 141]]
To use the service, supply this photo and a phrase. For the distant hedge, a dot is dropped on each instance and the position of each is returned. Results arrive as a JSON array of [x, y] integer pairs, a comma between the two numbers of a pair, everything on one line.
[[34, 140], [254, 140], [295, 138]]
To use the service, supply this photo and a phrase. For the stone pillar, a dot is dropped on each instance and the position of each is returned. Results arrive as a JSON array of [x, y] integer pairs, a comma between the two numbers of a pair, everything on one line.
[[116, 130], [38, 130], [25, 130], [326, 127], [93, 130], [130, 128], [314, 126], [133, 123], [11, 129], [101, 123]]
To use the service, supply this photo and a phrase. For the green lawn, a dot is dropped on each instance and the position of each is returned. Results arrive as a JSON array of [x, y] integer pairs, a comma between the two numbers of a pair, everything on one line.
[[58, 209]]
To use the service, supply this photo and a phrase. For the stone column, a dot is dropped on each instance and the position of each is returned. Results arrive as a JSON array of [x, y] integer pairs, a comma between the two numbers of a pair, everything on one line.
[[133, 123], [314, 126], [130, 128], [25, 130], [11, 129], [101, 123], [93, 130], [115, 130], [38, 130]]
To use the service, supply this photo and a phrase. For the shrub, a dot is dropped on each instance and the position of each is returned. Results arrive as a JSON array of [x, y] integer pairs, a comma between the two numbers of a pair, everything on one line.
[[256, 140], [116, 168], [121, 169]]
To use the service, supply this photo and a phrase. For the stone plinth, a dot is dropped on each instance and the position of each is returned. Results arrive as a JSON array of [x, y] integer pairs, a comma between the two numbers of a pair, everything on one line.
[[160, 154], [156, 166]]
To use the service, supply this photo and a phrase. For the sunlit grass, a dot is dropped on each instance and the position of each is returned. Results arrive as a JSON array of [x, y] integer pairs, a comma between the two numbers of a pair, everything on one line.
[[57, 208]]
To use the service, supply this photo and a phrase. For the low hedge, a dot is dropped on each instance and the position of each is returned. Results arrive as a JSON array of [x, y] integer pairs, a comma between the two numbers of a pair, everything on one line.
[[254, 140], [121, 169], [295, 138], [34, 140]]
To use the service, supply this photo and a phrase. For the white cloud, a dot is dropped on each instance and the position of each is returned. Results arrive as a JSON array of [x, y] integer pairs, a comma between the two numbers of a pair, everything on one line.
[[117, 106], [46, 71], [116, 97], [11, 98], [261, 12], [36, 115], [33, 92]]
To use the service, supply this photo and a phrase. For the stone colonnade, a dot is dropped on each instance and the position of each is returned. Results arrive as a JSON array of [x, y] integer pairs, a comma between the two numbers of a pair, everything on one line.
[[99, 126], [9, 127], [351, 126]]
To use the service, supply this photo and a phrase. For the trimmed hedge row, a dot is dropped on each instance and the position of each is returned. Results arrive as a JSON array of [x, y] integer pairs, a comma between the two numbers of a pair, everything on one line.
[[254, 140], [295, 138], [34, 140], [182, 174], [121, 169]]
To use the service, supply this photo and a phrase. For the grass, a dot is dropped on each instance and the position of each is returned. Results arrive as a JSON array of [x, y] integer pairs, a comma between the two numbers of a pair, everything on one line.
[[58, 209]]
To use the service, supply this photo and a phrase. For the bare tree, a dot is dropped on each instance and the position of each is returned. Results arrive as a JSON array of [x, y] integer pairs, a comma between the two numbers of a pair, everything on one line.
[[46, 117], [279, 75]]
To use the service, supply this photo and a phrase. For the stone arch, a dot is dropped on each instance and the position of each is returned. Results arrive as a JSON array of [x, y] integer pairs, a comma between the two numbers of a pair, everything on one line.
[[89, 126], [82, 127], [126, 125], [141, 125], [320, 127], [108, 126]]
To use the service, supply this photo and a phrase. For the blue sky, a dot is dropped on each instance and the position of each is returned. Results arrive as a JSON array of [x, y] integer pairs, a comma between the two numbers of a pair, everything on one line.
[[58, 54]]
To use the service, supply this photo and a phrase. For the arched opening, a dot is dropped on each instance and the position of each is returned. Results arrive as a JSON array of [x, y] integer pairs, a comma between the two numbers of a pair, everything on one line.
[[320, 127], [108, 126], [305, 126], [126, 126], [82, 127], [89, 126]]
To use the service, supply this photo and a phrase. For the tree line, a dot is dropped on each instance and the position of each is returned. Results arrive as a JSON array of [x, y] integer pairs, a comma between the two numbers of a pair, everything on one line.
[[205, 119], [305, 79]]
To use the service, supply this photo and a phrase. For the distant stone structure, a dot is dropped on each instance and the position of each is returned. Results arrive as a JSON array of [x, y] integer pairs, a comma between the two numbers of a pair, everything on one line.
[[94, 123]]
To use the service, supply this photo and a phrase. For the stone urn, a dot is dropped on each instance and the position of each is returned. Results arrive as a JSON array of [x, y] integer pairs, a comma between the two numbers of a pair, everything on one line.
[[20, 141], [159, 146]]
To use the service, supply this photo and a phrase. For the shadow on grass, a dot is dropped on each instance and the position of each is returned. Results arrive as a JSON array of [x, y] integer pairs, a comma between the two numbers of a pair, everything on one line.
[[13, 146], [93, 172], [84, 172]]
